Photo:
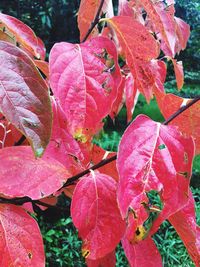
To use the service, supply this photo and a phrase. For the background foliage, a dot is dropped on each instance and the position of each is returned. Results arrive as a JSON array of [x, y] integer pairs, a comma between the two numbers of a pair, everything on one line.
[[54, 21]]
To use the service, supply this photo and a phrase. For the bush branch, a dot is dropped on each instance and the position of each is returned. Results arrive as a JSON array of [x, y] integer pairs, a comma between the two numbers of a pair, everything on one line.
[[73, 179], [94, 23], [181, 110]]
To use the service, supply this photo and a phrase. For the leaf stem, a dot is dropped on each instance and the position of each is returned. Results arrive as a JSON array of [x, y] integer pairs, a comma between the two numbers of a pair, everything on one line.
[[95, 22]]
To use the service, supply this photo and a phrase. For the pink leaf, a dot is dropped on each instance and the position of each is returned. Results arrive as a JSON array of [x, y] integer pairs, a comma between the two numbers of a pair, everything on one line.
[[143, 254], [24, 97], [178, 69], [35, 178], [163, 19], [85, 78], [152, 156], [185, 225], [131, 95], [139, 48], [21, 241], [183, 34], [62, 145], [108, 261], [96, 215], [132, 9], [24, 35], [188, 121], [118, 103]]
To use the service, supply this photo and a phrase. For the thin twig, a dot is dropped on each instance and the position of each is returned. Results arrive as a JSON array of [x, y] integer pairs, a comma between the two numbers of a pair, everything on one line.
[[183, 108], [95, 22], [38, 202], [73, 179], [106, 161], [22, 200], [20, 141]]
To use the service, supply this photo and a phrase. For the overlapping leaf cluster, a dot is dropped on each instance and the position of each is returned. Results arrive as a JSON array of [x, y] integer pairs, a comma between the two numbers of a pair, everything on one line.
[[50, 113]]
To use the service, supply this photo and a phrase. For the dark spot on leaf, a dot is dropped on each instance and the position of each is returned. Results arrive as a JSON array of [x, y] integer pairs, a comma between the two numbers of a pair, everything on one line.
[[185, 157], [185, 174], [29, 123], [130, 210], [30, 255], [163, 146], [137, 232], [85, 253]]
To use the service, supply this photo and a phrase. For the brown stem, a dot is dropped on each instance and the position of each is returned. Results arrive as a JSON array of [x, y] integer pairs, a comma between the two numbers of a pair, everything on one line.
[[178, 112], [38, 202], [20, 141], [94, 23], [106, 161], [21, 200], [74, 178], [71, 180]]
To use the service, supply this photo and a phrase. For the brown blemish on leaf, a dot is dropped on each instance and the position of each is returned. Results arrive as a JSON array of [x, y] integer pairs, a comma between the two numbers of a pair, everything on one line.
[[85, 253], [185, 157], [185, 174], [30, 255], [140, 233]]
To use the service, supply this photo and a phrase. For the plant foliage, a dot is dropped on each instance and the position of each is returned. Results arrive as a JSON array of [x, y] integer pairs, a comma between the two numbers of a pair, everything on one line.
[[51, 112]]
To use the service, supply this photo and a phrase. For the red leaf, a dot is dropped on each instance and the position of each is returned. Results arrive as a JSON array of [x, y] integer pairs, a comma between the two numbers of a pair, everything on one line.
[[134, 38], [163, 20], [96, 215], [183, 34], [118, 103], [185, 224], [178, 69], [108, 261], [99, 154], [85, 79], [23, 35], [124, 8], [87, 12], [24, 99], [62, 145], [9, 135], [143, 254], [131, 95], [21, 242], [41, 49], [43, 66], [35, 178], [188, 121], [153, 157], [132, 9], [5, 36], [139, 47]]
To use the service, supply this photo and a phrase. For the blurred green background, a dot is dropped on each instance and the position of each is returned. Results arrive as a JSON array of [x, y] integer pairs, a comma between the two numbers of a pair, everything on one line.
[[55, 21]]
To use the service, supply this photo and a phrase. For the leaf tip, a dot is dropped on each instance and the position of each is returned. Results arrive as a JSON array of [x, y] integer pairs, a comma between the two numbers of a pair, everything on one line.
[[39, 152]]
